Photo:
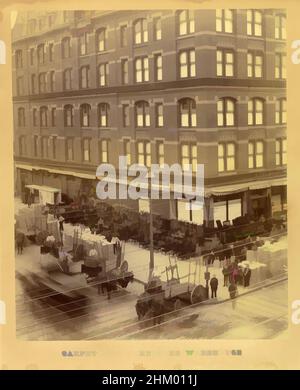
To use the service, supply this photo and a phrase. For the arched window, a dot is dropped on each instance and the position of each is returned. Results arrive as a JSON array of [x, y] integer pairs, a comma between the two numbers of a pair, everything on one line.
[[255, 111], [226, 112], [66, 47], [142, 113], [68, 115], [101, 39], [67, 79], [103, 111], [44, 116], [187, 113], [280, 111], [21, 116], [140, 27], [186, 22], [85, 110]]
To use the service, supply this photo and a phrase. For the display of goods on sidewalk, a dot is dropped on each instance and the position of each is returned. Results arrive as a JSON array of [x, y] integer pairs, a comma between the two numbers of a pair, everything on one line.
[[31, 220]]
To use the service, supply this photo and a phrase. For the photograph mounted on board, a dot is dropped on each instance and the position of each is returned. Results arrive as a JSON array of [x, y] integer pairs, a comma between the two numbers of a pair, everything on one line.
[[181, 91]]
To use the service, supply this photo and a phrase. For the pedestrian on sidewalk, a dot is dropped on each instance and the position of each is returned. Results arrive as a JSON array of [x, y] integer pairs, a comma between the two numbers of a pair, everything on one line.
[[247, 276], [226, 274], [233, 291], [214, 286], [235, 273], [20, 240]]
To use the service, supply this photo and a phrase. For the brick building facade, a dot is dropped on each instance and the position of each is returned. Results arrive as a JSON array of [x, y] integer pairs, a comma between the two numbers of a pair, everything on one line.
[[202, 86]]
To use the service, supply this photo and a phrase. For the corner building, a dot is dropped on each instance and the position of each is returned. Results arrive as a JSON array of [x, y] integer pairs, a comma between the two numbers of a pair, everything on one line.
[[171, 86]]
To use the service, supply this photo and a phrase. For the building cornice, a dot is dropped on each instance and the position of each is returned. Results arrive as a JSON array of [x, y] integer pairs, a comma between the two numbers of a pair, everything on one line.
[[153, 87]]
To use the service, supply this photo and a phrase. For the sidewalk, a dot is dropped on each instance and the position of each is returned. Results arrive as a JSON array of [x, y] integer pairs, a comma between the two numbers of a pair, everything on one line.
[[138, 261]]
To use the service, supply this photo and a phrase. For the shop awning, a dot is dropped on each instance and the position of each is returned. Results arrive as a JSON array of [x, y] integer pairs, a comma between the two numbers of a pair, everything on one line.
[[57, 171], [241, 187], [42, 188]]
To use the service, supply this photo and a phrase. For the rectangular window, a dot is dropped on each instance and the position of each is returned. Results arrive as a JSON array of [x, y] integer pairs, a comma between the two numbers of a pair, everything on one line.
[[104, 151], [54, 142], [189, 212], [34, 117], [51, 51], [158, 67], [142, 69], [225, 112], [280, 27], [127, 150], [84, 77], [22, 145], [86, 149], [52, 81], [144, 153], [42, 83], [280, 152], [53, 117], [187, 64], [31, 56], [123, 36], [225, 63], [20, 86], [280, 112], [103, 75], [45, 147], [83, 39], [186, 22], [125, 115], [124, 66], [41, 54], [159, 114], [189, 156], [160, 150], [254, 65], [33, 84], [280, 66], [255, 112], [226, 157], [67, 79], [255, 154], [157, 29], [19, 58], [224, 20], [70, 149], [254, 22], [35, 145]]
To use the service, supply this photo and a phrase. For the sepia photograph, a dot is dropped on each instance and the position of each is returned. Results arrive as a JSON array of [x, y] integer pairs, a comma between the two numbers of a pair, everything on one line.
[[150, 174]]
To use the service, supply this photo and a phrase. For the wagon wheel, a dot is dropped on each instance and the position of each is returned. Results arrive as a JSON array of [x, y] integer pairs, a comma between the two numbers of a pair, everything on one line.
[[197, 294], [178, 304]]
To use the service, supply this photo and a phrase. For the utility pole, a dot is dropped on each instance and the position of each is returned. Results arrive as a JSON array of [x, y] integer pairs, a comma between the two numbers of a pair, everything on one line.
[[151, 263]]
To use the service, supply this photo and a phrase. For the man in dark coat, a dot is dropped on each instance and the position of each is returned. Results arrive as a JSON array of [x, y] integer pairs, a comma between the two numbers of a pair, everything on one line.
[[214, 286], [20, 240], [247, 275]]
